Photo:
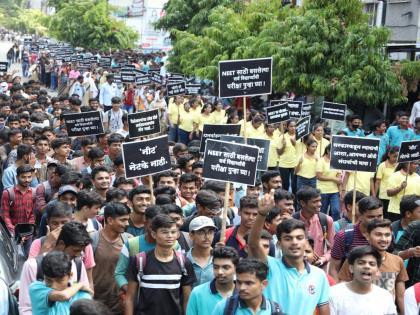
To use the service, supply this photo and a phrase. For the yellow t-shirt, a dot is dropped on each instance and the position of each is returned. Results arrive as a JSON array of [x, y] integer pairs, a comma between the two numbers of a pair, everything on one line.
[[273, 157], [219, 118], [202, 120], [383, 173], [251, 132], [308, 167], [413, 188], [320, 150], [187, 119], [362, 182], [173, 112], [289, 157], [326, 187], [300, 147]]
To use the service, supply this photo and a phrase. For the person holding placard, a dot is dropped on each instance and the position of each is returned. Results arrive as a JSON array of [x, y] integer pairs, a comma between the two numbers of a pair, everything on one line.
[[329, 183], [306, 167], [256, 129], [287, 153], [218, 114], [364, 183], [405, 181], [318, 133], [273, 154], [385, 170]]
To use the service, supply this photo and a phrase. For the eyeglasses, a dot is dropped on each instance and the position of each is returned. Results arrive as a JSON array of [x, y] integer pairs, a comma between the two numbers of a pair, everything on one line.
[[204, 232]]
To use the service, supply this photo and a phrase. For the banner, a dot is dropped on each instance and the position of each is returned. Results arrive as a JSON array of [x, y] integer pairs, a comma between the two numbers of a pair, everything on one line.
[[3, 66], [303, 127], [409, 151], [333, 111], [146, 157], [295, 109], [354, 153], [143, 79], [83, 124], [192, 89], [246, 77], [277, 113], [156, 77], [306, 110], [216, 131], [142, 124], [173, 89], [233, 162]]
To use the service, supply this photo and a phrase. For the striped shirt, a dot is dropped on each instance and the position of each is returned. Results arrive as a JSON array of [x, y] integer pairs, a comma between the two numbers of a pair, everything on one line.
[[338, 249]]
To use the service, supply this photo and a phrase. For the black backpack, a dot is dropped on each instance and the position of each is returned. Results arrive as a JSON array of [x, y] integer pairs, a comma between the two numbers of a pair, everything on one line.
[[232, 304], [324, 224]]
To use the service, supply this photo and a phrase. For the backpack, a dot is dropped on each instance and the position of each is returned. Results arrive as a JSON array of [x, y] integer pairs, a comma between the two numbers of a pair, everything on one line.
[[141, 260], [343, 223], [232, 304], [348, 239], [40, 274], [417, 292], [324, 225], [12, 197], [47, 191], [95, 239]]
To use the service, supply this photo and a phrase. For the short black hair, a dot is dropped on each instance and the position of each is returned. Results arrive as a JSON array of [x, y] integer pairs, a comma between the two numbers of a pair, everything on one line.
[[74, 234], [56, 143], [187, 178], [58, 209], [115, 209], [141, 189], [95, 153], [122, 181], [172, 208], [289, 225], [98, 169], [307, 193], [265, 178], [197, 164], [56, 264], [162, 221], [360, 251], [369, 203], [26, 168], [375, 223], [348, 197], [253, 266], [409, 203], [226, 252], [208, 198], [115, 138], [89, 307], [22, 150], [248, 202], [164, 199], [281, 194], [115, 194], [274, 212], [214, 185], [70, 178], [88, 198], [153, 211]]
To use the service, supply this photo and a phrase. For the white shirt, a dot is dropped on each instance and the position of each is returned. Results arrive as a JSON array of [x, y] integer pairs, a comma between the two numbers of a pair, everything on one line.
[[410, 304], [114, 119], [107, 92], [415, 112], [343, 301]]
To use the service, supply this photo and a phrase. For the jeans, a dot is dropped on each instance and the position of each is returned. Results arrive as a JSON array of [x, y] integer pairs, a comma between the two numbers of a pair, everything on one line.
[[184, 136], [288, 179], [173, 133], [53, 84], [25, 69], [331, 200], [303, 181], [128, 108]]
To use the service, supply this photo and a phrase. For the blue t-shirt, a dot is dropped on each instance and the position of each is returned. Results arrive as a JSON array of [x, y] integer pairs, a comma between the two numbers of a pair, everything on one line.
[[39, 292], [397, 135], [297, 294], [265, 308], [202, 275], [383, 143], [203, 298], [356, 133]]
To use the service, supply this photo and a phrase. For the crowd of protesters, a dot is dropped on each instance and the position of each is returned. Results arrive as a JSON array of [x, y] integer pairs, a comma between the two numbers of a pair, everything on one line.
[[105, 244]]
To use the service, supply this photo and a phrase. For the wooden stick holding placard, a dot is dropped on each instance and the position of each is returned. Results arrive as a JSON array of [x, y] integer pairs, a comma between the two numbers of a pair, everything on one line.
[[152, 196], [244, 111], [225, 213], [406, 177], [353, 206]]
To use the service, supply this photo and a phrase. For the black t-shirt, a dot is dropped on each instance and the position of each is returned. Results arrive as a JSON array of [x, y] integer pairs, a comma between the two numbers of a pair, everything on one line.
[[161, 285]]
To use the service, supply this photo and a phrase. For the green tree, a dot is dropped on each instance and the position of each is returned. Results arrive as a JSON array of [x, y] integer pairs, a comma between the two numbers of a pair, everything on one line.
[[88, 24], [323, 49]]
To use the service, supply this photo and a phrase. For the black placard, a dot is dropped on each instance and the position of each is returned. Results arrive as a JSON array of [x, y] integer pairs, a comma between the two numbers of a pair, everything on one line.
[[354, 153], [84, 124], [303, 127], [105, 62], [277, 113], [3, 66], [128, 76], [262, 144], [117, 79], [146, 157], [142, 79], [230, 162], [246, 77], [156, 77], [143, 123], [173, 89], [306, 109], [409, 151], [295, 109], [333, 111], [192, 89], [216, 131]]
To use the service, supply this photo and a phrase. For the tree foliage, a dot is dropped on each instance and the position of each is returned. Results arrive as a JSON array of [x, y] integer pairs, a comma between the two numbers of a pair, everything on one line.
[[323, 49], [28, 21], [88, 24]]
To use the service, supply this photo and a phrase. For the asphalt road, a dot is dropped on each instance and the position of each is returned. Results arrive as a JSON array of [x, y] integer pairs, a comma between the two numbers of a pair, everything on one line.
[[4, 47]]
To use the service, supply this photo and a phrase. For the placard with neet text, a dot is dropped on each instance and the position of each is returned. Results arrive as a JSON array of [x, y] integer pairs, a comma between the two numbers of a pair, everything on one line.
[[333, 111], [247, 77], [145, 123], [295, 109], [354, 153], [409, 151], [303, 127], [146, 157], [173, 89], [3, 66], [84, 124], [277, 113], [216, 131], [262, 144], [230, 162]]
